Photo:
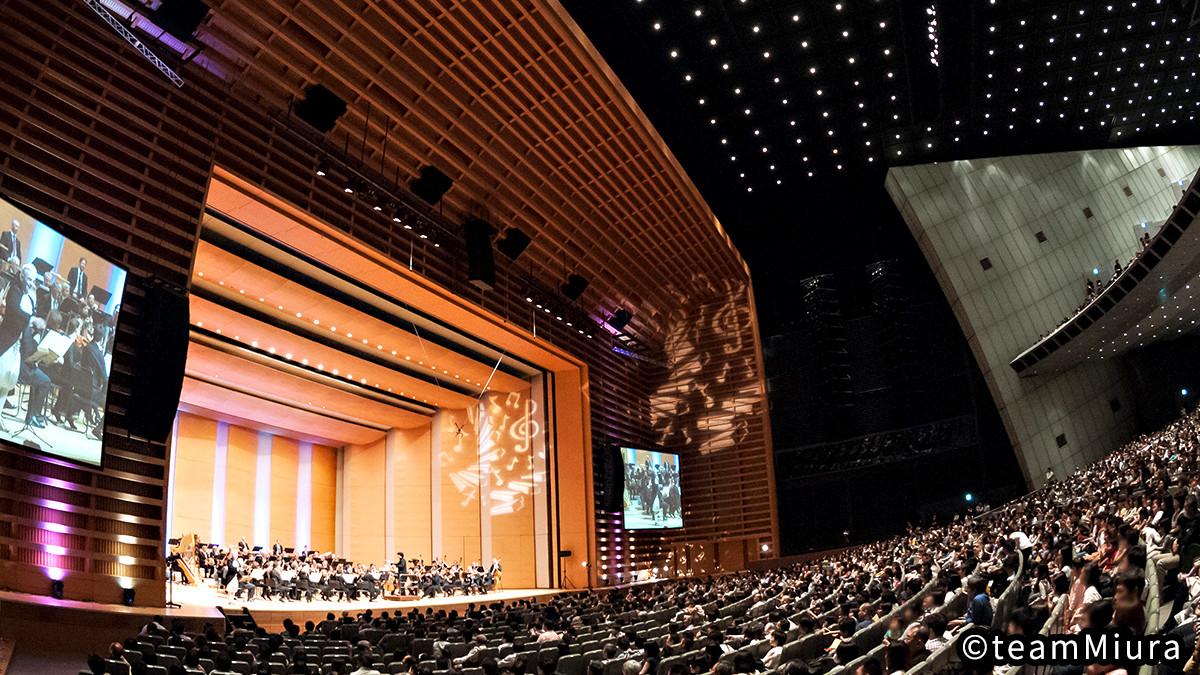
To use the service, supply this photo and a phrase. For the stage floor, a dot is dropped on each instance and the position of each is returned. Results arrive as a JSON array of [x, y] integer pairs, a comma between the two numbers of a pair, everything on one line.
[[200, 601]]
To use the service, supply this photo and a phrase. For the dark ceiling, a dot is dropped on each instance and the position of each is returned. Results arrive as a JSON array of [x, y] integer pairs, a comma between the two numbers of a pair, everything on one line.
[[787, 113]]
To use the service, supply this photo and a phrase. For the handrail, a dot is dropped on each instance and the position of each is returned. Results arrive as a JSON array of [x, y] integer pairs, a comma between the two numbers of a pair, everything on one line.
[[1008, 598], [1181, 218]]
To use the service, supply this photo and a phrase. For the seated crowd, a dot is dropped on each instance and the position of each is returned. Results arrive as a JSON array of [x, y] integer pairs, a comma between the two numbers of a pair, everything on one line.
[[1068, 557]]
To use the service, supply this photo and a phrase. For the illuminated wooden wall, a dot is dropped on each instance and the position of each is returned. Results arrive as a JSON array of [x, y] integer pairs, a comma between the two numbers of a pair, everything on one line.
[[222, 509], [92, 137]]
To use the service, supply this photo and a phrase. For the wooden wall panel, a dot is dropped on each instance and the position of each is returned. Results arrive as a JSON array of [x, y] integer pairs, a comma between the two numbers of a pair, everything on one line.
[[413, 515], [363, 503], [284, 467], [97, 147], [324, 498], [457, 457], [505, 443], [195, 447], [241, 470]]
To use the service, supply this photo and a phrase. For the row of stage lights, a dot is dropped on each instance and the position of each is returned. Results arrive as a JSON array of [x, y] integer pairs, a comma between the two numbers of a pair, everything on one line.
[[564, 318], [355, 185]]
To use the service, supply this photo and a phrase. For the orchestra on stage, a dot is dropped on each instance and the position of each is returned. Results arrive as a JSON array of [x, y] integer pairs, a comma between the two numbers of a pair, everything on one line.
[[286, 574]]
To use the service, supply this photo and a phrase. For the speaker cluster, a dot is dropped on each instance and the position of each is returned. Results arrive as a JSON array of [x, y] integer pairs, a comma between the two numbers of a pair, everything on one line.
[[321, 108]]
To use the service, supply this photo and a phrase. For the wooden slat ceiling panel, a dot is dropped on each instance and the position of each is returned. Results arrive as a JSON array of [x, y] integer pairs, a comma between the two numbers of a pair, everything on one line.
[[504, 97], [242, 282]]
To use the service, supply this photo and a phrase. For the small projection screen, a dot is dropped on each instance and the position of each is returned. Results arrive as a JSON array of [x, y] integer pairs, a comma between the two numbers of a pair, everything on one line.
[[60, 304], [652, 499]]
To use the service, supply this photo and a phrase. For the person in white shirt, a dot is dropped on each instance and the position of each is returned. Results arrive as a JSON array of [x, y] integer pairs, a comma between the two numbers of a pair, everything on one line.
[[548, 634], [775, 653], [472, 658]]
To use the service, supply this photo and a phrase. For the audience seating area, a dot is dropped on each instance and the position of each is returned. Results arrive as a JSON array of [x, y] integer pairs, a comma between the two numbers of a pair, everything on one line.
[[1099, 549]]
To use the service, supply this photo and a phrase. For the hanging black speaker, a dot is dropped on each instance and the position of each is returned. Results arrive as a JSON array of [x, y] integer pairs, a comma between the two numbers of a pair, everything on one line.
[[513, 243], [180, 18], [321, 108], [481, 264], [574, 287], [161, 355], [620, 319], [612, 478], [431, 185]]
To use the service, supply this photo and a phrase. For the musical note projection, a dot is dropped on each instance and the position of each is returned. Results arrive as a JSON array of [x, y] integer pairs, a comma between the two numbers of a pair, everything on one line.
[[491, 473]]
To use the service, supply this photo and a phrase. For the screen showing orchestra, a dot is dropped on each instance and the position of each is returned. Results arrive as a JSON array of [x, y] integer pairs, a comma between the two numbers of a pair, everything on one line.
[[60, 304], [652, 497]]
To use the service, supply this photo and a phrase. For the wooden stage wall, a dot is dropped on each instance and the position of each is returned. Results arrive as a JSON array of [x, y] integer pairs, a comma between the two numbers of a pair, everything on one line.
[[463, 489], [222, 506]]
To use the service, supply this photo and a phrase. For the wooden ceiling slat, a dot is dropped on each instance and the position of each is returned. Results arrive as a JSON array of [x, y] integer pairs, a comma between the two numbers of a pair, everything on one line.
[[619, 184]]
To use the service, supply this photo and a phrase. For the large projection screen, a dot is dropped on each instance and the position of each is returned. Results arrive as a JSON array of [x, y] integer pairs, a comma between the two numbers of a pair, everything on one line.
[[60, 304], [652, 496]]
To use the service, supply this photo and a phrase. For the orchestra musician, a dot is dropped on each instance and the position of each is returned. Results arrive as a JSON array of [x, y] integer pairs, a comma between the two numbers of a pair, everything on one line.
[[31, 373], [18, 308], [77, 280], [84, 381]]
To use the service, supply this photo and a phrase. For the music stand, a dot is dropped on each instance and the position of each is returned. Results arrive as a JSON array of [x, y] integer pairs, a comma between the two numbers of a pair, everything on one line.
[[171, 604], [42, 266], [101, 295]]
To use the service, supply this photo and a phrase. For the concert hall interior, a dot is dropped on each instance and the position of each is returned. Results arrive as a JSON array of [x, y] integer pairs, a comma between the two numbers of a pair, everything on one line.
[[357, 376], [677, 337]]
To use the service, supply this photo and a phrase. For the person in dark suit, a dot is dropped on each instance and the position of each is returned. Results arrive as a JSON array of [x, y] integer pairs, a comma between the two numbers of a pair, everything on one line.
[[77, 280], [85, 380], [10, 254], [368, 585], [10, 244], [46, 300]]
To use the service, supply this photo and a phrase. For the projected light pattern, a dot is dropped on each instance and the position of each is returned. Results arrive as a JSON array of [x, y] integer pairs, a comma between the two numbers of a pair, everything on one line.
[[711, 398], [509, 468]]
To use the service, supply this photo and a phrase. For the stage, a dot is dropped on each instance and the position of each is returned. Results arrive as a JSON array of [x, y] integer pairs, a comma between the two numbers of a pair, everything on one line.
[[200, 601]]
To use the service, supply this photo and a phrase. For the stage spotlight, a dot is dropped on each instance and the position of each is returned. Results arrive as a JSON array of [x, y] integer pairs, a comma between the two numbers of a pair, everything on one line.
[[377, 202], [56, 589], [1183, 392], [322, 167], [352, 185], [969, 497]]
